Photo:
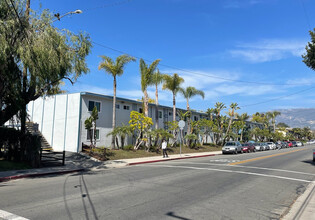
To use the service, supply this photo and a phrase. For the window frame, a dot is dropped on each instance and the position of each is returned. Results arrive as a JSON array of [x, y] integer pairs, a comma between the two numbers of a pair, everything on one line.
[[88, 107], [97, 131]]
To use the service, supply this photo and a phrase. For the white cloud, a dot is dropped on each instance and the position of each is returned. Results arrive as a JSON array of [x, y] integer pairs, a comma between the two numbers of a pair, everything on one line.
[[251, 90], [269, 50], [203, 79]]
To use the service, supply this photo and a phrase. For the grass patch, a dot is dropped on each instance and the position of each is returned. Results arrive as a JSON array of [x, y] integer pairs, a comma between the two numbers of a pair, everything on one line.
[[129, 154], [12, 165]]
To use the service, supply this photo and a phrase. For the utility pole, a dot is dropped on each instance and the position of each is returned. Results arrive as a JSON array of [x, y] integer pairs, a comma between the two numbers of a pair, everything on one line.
[[24, 91]]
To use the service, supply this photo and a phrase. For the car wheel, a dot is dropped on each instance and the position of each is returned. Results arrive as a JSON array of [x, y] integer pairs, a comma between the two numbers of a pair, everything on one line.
[[236, 151]]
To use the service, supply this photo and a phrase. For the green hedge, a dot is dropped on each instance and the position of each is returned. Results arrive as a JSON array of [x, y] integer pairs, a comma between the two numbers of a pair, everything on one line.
[[18, 147]]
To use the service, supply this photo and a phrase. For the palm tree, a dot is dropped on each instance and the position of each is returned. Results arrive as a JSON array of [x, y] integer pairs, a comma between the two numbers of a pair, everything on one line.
[[157, 79], [188, 93], [219, 106], [233, 108], [272, 115], [115, 69], [210, 112], [243, 118], [172, 83], [146, 80]]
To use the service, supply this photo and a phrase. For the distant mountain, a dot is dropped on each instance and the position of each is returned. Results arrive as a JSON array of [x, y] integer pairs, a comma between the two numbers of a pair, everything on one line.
[[297, 118]]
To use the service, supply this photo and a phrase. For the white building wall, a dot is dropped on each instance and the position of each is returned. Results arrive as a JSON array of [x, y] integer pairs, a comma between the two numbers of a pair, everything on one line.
[[58, 120]]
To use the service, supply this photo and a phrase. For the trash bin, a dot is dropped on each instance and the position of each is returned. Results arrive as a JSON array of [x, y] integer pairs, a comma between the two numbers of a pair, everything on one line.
[[314, 155]]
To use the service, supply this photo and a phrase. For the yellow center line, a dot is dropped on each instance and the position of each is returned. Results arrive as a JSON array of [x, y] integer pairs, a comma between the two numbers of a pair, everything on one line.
[[264, 157]]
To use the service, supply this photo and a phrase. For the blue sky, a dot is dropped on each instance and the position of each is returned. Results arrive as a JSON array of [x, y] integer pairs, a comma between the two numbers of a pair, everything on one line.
[[244, 51]]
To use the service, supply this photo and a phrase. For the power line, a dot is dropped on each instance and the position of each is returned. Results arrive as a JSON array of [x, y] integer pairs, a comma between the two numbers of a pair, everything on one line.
[[108, 5], [274, 99], [200, 74], [306, 15]]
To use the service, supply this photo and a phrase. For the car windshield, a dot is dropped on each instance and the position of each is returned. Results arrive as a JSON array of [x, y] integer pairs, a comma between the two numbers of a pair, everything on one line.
[[230, 144], [244, 145]]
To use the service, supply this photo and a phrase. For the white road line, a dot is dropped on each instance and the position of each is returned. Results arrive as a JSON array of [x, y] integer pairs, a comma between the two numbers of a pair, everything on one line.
[[260, 168], [232, 171], [9, 216]]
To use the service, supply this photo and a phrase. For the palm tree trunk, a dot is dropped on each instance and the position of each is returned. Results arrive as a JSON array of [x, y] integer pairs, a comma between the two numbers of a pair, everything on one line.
[[156, 108], [174, 108], [146, 103], [114, 114], [188, 119]]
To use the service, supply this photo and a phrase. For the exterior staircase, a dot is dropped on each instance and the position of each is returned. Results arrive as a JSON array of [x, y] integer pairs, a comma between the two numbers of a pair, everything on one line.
[[48, 157]]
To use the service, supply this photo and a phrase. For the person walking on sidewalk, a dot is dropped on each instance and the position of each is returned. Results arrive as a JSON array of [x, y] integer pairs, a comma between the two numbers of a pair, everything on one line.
[[164, 147]]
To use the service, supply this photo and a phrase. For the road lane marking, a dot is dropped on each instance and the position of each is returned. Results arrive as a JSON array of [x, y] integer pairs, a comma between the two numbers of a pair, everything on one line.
[[9, 216], [224, 161], [231, 171], [250, 167], [264, 157]]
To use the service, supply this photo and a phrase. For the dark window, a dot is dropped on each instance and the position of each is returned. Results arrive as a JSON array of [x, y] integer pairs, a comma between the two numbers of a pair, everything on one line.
[[140, 110], [92, 104], [97, 134], [117, 106], [126, 107], [169, 113], [195, 118], [160, 114]]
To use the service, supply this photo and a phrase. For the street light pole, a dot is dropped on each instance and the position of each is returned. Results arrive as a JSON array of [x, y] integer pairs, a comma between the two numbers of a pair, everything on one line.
[[58, 16]]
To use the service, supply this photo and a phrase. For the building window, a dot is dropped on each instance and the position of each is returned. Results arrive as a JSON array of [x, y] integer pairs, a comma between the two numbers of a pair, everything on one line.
[[117, 106], [97, 134], [169, 113], [126, 107], [92, 104], [134, 107], [140, 110], [195, 118], [160, 114]]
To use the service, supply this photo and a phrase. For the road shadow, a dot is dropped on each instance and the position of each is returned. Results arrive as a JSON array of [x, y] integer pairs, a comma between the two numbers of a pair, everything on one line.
[[311, 162], [173, 215]]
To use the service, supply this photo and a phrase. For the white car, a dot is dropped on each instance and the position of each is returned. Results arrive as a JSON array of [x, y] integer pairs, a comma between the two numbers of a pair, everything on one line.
[[271, 145], [299, 144], [233, 147]]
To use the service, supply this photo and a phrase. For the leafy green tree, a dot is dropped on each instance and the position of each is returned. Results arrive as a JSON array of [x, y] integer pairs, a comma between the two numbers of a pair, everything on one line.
[[47, 54], [188, 93], [140, 124], [115, 68], [156, 80], [309, 56], [172, 83], [147, 72]]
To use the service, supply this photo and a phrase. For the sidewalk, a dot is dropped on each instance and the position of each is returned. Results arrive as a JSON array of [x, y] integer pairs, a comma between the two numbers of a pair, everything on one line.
[[304, 207], [81, 162]]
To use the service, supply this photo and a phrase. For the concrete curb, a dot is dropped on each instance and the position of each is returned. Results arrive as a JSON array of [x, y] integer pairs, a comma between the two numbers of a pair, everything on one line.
[[8, 178], [177, 158]]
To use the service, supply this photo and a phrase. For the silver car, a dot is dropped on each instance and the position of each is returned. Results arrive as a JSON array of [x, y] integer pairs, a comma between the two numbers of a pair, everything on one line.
[[233, 147]]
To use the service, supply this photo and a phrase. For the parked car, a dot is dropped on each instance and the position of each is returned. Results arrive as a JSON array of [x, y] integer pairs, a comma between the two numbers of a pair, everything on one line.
[[272, 146], [258, 147], [299, 143], [264, 146], [233, 147], [294, 143], [248, 147]]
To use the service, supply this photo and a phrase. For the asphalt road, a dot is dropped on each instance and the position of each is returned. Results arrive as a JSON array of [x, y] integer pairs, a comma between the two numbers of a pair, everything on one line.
[[260, 185]]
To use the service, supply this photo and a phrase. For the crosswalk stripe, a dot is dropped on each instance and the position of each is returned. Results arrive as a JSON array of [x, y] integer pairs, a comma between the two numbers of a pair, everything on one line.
[[9, 216]]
